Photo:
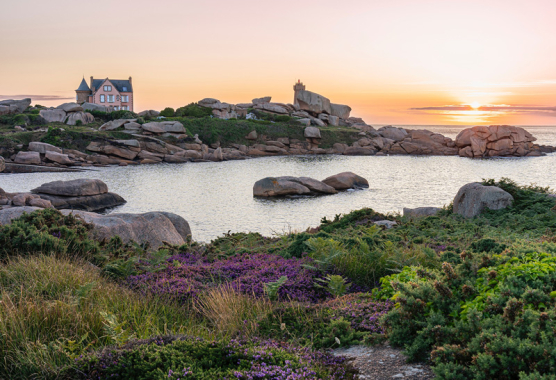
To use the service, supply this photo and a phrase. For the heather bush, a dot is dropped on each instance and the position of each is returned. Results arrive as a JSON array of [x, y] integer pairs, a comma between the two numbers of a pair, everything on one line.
[[185, 357], [187, 275], [347, 320]]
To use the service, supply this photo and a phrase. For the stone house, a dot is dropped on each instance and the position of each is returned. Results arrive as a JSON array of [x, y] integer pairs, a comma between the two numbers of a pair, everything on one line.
[[114, 94]]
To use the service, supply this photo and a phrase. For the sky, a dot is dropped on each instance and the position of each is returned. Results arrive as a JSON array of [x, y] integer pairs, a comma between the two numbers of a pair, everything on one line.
[[412, 62]]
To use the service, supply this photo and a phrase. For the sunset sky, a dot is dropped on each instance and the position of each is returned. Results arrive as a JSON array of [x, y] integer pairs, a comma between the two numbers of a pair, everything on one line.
[[392, 61]]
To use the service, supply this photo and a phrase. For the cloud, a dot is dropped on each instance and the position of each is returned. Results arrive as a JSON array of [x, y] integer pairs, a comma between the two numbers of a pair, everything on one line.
[[489, 108], [36, 98]]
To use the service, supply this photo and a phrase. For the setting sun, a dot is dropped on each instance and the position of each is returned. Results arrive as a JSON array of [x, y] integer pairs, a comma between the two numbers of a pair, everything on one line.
[[475, 105]]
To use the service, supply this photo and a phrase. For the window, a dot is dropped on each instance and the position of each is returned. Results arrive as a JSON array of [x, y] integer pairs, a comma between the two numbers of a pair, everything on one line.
[[116, 108], [110, 98], [107, 88], [102, 98], [124, 88], [125, 98], [77, 98], [125, 108]]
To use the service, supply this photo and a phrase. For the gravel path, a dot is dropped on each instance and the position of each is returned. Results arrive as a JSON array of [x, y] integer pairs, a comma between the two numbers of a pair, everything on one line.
[[384, 362]]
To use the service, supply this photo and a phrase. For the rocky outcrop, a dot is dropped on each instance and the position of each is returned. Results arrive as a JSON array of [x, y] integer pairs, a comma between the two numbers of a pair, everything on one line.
[[496, 140], [88, 203], [421, 212], [69, 113], [79, 194], [12, 106], [278, 186], [421, 142], [2, 164], [281, 186], [346, 180], [263, 100], [474, 198], [152, 228], [73, 188], [313, 102]]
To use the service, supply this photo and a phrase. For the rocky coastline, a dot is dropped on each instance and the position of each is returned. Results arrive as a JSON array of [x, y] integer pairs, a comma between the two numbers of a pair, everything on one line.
[[150, 139]]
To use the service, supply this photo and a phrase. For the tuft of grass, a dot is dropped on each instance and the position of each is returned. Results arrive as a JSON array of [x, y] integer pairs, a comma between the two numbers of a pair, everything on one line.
[[231, 313]]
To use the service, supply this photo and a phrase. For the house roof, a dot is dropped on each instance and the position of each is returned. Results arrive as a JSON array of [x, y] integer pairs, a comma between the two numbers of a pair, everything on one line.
[[83, 86], [118, 83]]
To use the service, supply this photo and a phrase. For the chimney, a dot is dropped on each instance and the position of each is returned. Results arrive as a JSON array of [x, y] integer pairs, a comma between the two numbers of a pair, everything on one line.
[[91, 86], [130, 80]]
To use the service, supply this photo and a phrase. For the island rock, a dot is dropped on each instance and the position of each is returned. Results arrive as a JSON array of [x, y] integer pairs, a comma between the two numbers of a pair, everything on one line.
[[346, 180]]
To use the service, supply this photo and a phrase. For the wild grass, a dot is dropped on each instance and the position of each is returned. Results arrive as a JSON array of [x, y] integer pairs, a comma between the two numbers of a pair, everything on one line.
[[232, 313], [52, 310]]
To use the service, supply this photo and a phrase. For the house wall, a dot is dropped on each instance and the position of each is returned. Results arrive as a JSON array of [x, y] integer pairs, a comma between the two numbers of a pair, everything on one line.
[[117, 97]]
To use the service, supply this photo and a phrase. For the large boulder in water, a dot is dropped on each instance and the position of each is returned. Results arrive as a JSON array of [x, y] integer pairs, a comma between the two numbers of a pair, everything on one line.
[[73, 188], [153, 228], [278, 186], [473, 198], [346, 180], [496, 140], [79, 194]]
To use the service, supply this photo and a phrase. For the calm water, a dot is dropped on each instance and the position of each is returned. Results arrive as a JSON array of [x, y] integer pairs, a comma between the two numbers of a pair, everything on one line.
[[217, 197]]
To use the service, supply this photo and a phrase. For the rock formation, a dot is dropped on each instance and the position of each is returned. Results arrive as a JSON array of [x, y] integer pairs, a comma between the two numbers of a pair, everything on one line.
[[69, 113], [346, 180], [2, 164], [281, 186], [496, 140], [12, 106], [153, 228], [473, 198]]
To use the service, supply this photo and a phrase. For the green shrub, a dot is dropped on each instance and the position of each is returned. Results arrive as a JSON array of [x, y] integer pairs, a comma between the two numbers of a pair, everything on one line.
[[193, 110], [167, 112], [174, 358], [486, 318]]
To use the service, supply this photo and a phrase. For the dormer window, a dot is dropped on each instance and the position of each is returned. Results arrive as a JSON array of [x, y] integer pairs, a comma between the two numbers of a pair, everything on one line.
[[107, 88], [124, 88]]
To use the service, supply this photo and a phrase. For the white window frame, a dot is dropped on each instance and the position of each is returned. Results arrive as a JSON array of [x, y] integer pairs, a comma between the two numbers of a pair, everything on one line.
[[116, 108], [110, 98], [125, 108], [125, 98], [102, 98], [107, 88], [124, 88]]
